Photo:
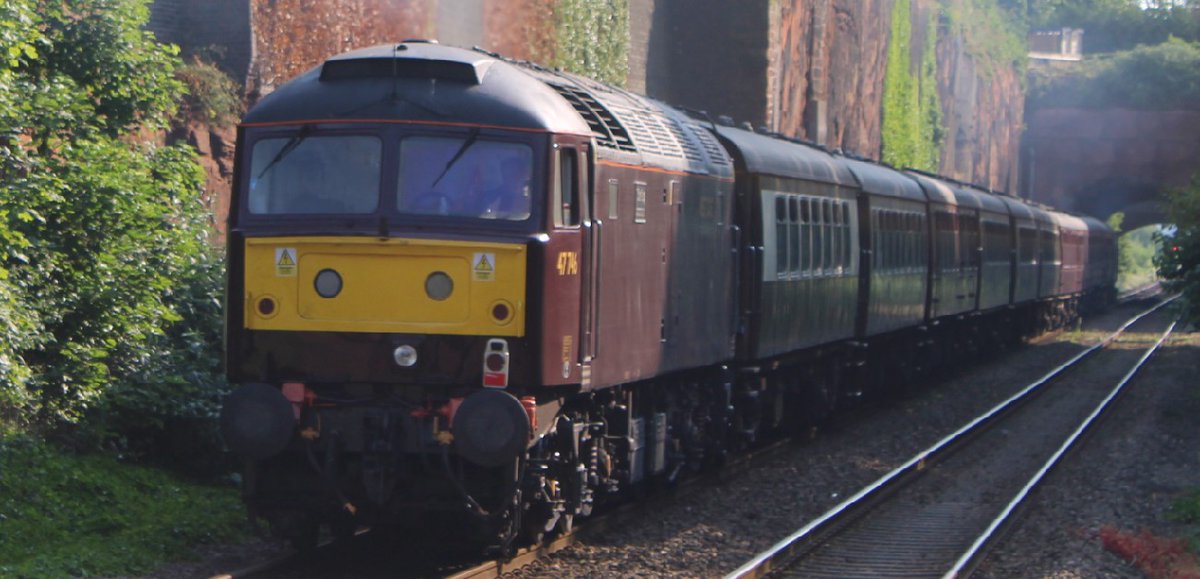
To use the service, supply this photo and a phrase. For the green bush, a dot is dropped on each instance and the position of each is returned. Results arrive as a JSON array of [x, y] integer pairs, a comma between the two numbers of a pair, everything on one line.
[[912, 110], [1178, 258], [592, 39], [1160, 77], [212, 97], [109, 281]]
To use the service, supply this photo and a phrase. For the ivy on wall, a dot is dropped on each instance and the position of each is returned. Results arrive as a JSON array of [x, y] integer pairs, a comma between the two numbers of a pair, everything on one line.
[[911, 107], [592, 38]]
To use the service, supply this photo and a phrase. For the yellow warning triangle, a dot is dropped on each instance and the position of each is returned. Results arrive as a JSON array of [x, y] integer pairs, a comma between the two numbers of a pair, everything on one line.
[[484, 264], [285, 258]]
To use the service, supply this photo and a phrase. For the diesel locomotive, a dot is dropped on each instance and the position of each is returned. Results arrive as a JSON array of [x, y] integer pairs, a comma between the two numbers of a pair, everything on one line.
[[477, 297]]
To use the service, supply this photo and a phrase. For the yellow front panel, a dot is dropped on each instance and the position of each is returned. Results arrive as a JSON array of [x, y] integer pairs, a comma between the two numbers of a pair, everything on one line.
[[383, 285]]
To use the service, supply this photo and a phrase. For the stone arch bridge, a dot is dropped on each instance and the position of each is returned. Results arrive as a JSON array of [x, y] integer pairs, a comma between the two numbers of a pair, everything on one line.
[[1099, 162]]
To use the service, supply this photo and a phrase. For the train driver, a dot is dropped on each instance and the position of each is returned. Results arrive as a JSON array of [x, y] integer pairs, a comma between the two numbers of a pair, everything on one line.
[[509, 198]]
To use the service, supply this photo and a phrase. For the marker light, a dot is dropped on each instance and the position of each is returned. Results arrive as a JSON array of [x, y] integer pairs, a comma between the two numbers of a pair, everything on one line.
[[405, 355], [266, 307], [439, 286], [328, 283]]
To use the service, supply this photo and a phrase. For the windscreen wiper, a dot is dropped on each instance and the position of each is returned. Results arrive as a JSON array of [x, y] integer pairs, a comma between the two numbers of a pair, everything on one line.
[[287, 149], [463, 149]]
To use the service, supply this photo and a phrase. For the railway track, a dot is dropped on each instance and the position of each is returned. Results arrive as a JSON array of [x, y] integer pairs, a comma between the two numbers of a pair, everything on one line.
[[353, 558], [937, 513], [348, 560]]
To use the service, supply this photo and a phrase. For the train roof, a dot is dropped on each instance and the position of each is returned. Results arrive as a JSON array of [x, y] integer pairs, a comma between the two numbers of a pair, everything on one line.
[[937, 190], [767, 155], [1097, 227], [884, 181], [635, 129], [1068, 222], [419, 82], [1018, 208], [425, 82]]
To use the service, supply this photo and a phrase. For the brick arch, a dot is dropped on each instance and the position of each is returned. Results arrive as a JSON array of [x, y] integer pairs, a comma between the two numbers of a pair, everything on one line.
[[1138, 198], [1099, 162]]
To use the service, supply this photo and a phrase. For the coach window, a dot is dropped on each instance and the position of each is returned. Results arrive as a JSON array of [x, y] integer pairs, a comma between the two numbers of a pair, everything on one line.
[[835, 258], [793, 234], [805, 235], [818, 239], [875, 239], [847, 256], [781, 235]]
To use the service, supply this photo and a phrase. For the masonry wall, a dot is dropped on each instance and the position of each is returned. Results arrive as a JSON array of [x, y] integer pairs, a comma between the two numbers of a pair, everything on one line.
[[220, 30]]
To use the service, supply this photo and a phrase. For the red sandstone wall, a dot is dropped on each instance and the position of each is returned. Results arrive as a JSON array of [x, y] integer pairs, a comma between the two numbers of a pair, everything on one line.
[[522, 29], [291, 36], [843, 62]]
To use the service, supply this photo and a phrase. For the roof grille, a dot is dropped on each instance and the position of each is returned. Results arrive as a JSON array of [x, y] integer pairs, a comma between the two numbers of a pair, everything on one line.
[[650, 134], [716, 153], [607, 130]]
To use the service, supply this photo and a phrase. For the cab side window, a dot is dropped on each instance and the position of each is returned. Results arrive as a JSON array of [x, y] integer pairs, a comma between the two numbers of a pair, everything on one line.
[[566, 189]]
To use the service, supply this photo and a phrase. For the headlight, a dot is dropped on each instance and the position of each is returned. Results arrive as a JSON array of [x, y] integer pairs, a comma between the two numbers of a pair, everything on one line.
[[405, 355]]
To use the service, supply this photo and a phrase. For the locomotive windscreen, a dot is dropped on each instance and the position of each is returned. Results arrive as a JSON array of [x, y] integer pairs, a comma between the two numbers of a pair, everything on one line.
[[315, 175], [465, 177]]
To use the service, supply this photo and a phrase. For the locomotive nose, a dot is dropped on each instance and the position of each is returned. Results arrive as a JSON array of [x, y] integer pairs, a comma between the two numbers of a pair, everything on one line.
[[491, 428], [257, 421]]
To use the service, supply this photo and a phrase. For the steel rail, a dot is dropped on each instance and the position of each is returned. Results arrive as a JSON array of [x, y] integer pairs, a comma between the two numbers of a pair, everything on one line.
[[764, 562], [975, 554], [528, 555]]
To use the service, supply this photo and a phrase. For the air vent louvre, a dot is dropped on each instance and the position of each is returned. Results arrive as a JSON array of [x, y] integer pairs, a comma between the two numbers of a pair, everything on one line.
[[715, 152], [607, 130]]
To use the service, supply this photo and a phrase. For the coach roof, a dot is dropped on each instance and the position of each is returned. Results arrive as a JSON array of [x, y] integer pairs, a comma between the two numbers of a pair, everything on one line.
[[419, 82], [767, 155]]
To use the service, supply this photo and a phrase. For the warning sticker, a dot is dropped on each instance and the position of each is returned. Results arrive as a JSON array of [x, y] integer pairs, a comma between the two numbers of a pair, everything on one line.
[[483, 267], [285, 262]]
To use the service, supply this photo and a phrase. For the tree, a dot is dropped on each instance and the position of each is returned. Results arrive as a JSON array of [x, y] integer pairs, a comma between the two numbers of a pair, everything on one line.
[[103, 237], [1113, 25], [1178, 258]]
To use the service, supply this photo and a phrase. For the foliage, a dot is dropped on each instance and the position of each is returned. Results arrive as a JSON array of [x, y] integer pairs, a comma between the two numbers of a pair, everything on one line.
[[989, 33], [1135, 254], [1186, 509], [108, 275], [1113, 25], [1161, 77], [212, 97], [592, 39], [912, 130], [67, 515], [1178, 259]]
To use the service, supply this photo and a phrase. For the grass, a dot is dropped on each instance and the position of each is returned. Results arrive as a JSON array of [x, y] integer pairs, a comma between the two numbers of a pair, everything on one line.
[[63, 514]]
